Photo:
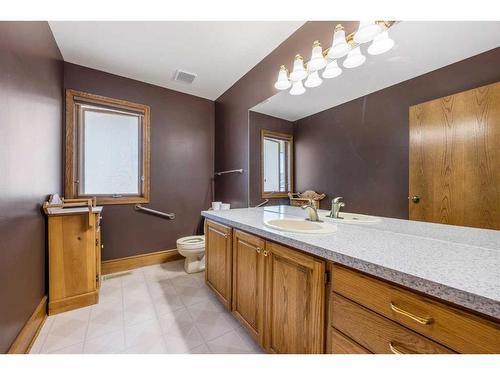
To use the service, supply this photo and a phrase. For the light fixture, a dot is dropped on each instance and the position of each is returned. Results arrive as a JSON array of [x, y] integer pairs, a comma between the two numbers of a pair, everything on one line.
[[298, 72], [342, 45], [354, 59], [313, 80], [297, 88], [317, 61], [367, 31], [283, 83], [339, 47], [381, 44], [332, 70]]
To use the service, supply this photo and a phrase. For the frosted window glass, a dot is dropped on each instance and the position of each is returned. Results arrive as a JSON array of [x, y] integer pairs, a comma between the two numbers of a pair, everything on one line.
[[110, 153], [271, 165]]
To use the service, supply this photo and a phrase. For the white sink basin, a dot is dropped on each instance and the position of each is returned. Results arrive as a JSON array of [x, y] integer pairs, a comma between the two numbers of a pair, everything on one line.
[[349, 218], [300, 226]]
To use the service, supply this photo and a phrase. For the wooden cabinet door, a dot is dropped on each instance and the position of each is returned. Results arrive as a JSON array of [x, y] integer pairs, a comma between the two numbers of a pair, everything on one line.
[[455, 159], [248, 282], [218, 257], [295, 299]]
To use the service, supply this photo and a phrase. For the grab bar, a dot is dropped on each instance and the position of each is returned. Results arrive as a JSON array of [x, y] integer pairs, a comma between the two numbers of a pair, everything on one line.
[[230, 171], [171, 216], [262, 203]]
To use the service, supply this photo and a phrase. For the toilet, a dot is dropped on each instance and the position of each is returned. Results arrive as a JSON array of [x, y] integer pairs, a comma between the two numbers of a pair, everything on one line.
[[193, 249]]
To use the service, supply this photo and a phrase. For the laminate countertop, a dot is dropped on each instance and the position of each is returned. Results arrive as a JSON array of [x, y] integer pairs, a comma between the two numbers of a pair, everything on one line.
[[456, 264]]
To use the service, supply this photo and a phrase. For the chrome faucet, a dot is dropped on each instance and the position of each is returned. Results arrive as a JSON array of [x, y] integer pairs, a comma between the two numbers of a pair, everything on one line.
[[312, 211], [337, 204]]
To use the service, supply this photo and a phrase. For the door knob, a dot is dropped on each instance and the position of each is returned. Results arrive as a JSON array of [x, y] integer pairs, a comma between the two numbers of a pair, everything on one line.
[[415, 199]]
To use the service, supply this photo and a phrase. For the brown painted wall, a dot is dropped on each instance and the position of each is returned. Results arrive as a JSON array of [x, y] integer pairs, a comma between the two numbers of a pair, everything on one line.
[[182, 160], [231, 108], [30, 165], [257, 122], [359, 149]]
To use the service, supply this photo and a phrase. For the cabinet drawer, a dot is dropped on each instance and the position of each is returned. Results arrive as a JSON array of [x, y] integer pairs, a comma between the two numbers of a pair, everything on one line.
[[378, 334], [341, 344], [457, 329]]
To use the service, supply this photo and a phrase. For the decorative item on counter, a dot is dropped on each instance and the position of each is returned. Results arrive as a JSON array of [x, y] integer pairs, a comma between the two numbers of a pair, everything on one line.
[[216, 206], [308, 196], [225, 206]]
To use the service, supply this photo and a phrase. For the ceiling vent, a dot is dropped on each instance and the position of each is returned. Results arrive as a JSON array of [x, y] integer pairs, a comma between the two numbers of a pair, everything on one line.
[[184, 77]]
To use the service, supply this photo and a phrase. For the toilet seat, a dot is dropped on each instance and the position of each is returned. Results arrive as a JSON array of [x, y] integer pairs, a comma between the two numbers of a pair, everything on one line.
[[191, 242]]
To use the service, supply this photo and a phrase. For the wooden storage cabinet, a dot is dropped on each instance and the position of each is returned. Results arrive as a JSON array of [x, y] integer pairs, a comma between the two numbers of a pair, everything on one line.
[[218, 258], [295, 300], [400, 310], [74, 260], [248, 282]]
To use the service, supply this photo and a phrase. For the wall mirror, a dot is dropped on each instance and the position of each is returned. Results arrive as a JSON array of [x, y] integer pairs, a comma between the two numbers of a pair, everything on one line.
[[413, 133]]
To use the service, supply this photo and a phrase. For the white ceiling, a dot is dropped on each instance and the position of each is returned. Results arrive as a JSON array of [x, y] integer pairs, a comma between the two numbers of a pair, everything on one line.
[[219, 52], [420, 47]]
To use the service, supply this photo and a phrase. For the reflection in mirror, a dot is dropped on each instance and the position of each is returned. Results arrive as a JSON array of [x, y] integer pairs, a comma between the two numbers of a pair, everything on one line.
[[411, 134], [276, 163]]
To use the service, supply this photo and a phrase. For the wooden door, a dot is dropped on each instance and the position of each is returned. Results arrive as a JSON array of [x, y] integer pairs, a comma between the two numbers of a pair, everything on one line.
[[455, 159], [295, 298], [218, 257], [248, 282]]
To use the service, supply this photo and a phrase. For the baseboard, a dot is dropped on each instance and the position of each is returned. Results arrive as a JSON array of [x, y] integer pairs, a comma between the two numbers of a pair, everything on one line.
[[136, 261], [23, 342], [74, 302]]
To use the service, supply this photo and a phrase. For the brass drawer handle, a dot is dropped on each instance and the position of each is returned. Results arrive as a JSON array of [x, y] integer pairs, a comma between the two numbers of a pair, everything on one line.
[[266, 253], [258, 250], [408, 314], [395, 350]]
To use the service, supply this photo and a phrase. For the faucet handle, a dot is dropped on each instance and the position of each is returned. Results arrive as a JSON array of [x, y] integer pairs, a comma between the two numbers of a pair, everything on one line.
[[337, 199]]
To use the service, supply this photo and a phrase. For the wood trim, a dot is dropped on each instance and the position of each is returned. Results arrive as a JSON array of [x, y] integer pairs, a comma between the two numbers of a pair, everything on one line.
[[74, 302], [136, 261], [70, 166], [285, 137], [25, 339]]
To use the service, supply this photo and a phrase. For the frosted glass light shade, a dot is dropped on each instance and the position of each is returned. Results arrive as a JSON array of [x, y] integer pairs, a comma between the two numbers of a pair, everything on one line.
[[313, 80], [297, 88], [317, 61], [381, 44], [298, 72], [332, 70], [367, 31], [339, 47], [354, 59], [282, 83]]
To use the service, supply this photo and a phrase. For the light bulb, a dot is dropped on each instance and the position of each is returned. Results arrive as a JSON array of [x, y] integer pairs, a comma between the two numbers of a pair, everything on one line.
[[297, 88], [339, 47], [382, 43], [367, 30], [282, 83], [332, 70], [317, 61], [354, 59], [298, 72], [313, 80]]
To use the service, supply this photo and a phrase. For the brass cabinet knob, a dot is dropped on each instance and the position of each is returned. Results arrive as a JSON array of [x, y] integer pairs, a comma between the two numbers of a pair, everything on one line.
[[266, 253], [414, 199], [258, 249]]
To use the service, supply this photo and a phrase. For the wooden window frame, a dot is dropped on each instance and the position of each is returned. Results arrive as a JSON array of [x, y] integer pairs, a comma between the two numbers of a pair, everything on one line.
[[284, 137], [71, 168]]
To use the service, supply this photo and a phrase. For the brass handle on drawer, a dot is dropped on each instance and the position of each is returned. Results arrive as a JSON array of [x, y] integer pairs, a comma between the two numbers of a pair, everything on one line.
[[395, 350], [408, 314], [266, 253], [258, 250]]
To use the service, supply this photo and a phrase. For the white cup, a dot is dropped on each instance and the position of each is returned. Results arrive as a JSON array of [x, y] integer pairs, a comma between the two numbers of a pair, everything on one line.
[[225, 206], [216, 206]]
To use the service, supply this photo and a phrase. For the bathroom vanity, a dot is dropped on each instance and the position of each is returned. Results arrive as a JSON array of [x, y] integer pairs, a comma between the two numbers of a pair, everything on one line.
[[381, 286]]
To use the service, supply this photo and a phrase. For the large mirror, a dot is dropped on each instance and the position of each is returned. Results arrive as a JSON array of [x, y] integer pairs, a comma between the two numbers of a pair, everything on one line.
[[413, 133]]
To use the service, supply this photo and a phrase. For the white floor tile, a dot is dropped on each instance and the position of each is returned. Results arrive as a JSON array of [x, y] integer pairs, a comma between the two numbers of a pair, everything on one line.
[[143, 334], [138, 313], [229, 343], [211, 320], [106, 344], [72, 349]]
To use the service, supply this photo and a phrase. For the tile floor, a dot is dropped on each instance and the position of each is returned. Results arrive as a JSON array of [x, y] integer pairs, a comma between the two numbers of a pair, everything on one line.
[[154, 309]]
